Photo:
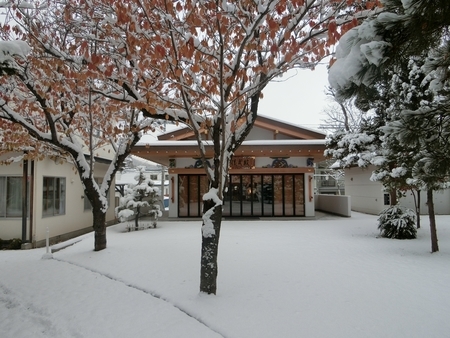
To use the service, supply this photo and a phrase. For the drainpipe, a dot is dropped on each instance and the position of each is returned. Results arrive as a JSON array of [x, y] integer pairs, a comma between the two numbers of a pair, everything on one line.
[[24, 200], [31, 200], [163, 184]]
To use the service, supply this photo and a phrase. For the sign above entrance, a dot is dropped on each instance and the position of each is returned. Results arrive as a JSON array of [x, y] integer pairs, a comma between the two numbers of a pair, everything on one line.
[[242, 162]]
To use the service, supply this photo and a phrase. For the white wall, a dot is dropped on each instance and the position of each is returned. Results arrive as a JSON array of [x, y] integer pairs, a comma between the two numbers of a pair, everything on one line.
[[75, 217], [295, 161], [367, 196], [336, 204], [309, 205], [441, 202]]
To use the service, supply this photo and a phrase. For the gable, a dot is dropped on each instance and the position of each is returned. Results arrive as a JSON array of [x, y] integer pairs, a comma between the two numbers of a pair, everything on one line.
[[265, 128]]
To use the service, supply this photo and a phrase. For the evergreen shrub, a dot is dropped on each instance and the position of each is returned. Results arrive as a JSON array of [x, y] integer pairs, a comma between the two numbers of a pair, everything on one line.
[[397, 222]]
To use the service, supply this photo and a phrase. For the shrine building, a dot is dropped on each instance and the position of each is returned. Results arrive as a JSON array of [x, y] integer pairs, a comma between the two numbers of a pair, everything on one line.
[[271, 173]]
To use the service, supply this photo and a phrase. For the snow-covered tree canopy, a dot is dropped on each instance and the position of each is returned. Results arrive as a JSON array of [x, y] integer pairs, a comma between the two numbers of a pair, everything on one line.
[[200, 63], [50, 105], [12, 54], [405, 82], [404, 28]]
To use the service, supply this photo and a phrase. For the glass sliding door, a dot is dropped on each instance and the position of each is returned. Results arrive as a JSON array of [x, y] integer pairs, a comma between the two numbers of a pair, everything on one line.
[[256, 196], [191, 189], [237, 193], [278, 195], [267, 195], [183, 193], [289, 195], [246, 195], [299, 196]]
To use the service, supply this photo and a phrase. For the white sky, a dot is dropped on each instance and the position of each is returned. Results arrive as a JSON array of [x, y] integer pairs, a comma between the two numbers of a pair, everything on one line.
[[298, 97]]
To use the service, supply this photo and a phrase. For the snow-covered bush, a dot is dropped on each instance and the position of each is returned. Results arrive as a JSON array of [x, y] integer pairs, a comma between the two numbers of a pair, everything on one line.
[[141, 199], [397, 222]]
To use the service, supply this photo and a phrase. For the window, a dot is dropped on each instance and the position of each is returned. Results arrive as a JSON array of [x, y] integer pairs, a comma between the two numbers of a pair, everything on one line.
[[327, 181], [10, 196], [154, 177], [387, 199], [166, 177], [54, 196]]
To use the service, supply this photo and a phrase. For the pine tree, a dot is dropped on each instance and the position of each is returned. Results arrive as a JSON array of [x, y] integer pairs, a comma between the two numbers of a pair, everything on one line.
[[140, 197], [407, 47], [401, 30]]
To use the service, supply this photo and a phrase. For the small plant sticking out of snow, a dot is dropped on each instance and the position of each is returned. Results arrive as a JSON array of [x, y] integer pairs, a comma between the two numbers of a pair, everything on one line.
[[397, 222], [141, 199]]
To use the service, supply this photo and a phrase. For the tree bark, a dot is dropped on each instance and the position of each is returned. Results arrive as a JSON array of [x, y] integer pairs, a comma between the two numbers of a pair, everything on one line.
[[393, 195], [418, 209], [434, 239], [136, 218], [99, 229], [210, 246]]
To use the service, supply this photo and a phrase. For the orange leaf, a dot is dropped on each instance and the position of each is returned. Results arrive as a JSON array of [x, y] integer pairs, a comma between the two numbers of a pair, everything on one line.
[[195, 68], [160, 51], [370, 4], [274, 49], [332, 26]]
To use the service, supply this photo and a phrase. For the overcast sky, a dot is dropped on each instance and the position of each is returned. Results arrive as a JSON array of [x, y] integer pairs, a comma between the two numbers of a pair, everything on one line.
[[298, 97]]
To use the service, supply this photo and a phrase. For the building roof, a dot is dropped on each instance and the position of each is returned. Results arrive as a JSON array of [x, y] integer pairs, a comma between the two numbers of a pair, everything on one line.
[[181, 143]]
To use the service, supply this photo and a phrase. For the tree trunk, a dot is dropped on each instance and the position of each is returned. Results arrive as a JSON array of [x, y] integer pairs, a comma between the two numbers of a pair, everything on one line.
[[136, 218], [418, 209], [393, 195], [434, 239], [210, 246], [99, 229]]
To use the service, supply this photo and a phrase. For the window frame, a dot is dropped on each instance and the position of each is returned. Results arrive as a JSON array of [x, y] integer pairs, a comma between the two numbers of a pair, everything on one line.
[[59, 196], [4, 193]]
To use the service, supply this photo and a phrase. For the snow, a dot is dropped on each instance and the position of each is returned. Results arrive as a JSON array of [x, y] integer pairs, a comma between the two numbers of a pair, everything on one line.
[[182, 143], [208, 225], [17, 48], [330, 277]]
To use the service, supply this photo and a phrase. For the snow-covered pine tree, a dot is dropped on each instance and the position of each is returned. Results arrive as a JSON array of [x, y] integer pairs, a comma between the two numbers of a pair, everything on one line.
[[140, 199], [405, 30]]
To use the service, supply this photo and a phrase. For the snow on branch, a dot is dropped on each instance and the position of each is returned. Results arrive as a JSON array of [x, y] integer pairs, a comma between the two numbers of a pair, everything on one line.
[[12, 52]]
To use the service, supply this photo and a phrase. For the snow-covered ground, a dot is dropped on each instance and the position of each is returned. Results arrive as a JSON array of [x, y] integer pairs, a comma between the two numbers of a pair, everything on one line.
[[321, 278]]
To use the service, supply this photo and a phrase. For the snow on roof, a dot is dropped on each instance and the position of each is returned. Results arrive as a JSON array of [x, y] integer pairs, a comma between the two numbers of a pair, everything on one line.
[[130, 176], [292, 124], [126, 177], [139, 161], [152, 136], [182, 143]]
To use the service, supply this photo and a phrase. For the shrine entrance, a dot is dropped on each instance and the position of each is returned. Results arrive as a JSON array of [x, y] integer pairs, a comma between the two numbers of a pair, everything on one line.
[[257, 195]]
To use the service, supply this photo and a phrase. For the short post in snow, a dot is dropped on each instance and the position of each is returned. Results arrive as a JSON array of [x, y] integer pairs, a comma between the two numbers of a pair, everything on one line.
[[48, 254]]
